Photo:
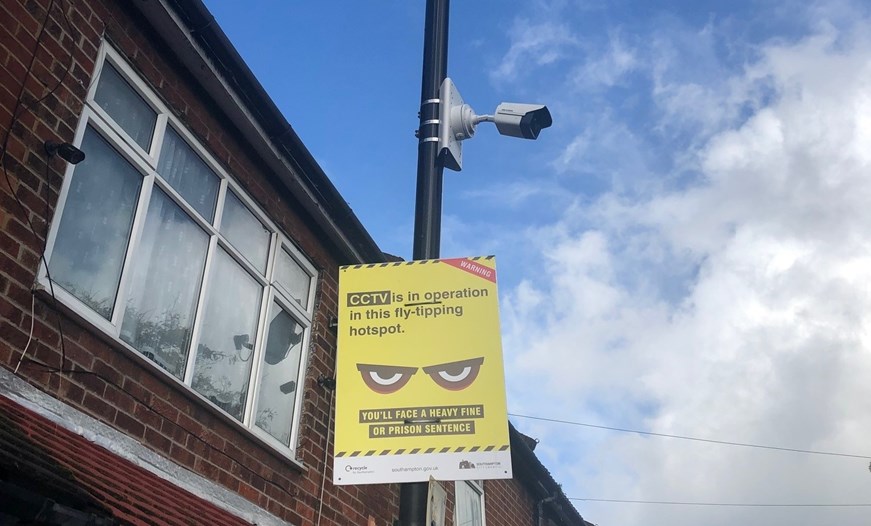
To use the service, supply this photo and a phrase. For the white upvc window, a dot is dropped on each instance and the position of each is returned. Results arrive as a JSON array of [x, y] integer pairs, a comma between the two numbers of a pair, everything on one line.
[[469, 503], [158, 247]]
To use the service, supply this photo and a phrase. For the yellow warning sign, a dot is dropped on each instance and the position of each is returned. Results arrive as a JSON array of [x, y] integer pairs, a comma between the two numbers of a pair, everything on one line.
[[420, 379]]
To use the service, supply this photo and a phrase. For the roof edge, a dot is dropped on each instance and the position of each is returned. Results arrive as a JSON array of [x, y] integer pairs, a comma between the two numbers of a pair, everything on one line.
[[543, 484], [192, 31]]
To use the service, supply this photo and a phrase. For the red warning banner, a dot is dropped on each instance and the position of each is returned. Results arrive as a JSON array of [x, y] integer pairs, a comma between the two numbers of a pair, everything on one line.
[[472, 267]]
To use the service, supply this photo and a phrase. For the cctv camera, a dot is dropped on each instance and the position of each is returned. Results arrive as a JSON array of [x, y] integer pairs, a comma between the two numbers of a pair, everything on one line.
[[457, 122], [522, 120]]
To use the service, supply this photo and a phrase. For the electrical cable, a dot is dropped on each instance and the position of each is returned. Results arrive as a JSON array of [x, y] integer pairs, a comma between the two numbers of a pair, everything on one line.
[[726, 504], [15, 114], [30, 336], [326, 452], [60, 329], [17, 110], [695, 439], [63, 348]]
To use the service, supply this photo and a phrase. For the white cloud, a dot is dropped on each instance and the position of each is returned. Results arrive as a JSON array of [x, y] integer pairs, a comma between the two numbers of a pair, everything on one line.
[[513, 193], [609, 67], [768, 339], [604, 149], [532, 45]]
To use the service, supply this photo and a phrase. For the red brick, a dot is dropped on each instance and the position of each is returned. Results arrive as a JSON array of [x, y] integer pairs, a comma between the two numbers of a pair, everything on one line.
[[98, 407], [182, 456], [13, 334], [129, 424], [12, 313], [109, 373], [136, 391], [73, 393], [44, 332], [148, 416], [120, 399]]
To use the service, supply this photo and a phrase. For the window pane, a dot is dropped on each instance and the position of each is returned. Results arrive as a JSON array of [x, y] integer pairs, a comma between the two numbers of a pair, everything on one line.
[[229, 328], [245, 231], [278, 375], [290, 275], [168, 269], [188, 174], [469, 512], [125, 106], [95, 228]]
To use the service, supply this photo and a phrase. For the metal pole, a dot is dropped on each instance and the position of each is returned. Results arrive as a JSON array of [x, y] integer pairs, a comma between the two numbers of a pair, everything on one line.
[[428, 203], [428, 206]]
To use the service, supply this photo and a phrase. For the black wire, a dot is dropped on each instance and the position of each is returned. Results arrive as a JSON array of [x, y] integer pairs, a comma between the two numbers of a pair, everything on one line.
[[69, 66], [15, 115], [19, 108], [58, 321], [724, 504], [696, 439]]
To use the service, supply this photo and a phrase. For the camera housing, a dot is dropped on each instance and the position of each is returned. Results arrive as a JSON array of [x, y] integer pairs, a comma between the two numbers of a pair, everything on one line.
[[457, 122], [522, 120]]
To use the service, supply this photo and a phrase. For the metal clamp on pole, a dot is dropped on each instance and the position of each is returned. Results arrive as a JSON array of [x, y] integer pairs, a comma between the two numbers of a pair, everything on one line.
[[426, 109]]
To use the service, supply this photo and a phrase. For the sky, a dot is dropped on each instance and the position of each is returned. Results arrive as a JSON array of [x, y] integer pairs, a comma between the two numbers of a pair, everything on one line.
[[684, 252]]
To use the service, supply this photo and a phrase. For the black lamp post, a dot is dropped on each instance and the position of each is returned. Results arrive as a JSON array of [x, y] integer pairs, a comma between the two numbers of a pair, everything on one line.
[[428, 204]]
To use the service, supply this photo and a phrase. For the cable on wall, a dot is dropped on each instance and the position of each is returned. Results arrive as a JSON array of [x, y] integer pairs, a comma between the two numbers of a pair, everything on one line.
[[330, 384], [18, 109]]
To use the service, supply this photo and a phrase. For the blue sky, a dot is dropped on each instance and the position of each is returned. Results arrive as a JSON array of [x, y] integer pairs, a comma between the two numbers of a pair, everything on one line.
[[684, 251]]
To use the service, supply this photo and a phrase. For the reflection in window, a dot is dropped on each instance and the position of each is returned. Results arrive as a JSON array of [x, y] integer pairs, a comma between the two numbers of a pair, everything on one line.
[[188, 174], [227, 335], [290, 275], [137, 241], [469, 509], [93, 233], [279, 374], [168, 268], [245, 232], [126, 107]]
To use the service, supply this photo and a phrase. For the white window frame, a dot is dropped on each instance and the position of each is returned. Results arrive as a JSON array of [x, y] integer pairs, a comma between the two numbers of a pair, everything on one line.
[[477, 486], [94, 117]]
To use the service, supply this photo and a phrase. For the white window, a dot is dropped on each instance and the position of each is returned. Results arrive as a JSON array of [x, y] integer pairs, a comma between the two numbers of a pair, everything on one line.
[[468, 503], [160, 249]]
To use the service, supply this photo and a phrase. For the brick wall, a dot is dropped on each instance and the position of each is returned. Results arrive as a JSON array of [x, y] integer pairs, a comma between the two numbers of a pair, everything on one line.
[[125, 392], [507, 503]]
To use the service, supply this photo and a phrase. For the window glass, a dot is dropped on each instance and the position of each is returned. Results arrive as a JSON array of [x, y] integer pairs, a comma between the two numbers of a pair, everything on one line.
[[469, 511], [125, 106], [188, 301], [227, 335], [245, 232], [95, 227], [279, 372], [291, 276], [168, 269], [188, 174]]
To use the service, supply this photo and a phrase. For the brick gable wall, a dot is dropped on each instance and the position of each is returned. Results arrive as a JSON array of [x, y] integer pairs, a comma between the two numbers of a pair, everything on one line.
[[507, 503], [125, 391]]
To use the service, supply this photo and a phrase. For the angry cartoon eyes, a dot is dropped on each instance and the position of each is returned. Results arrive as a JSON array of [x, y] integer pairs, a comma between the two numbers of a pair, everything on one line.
[[385, 379], [453, 376]]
